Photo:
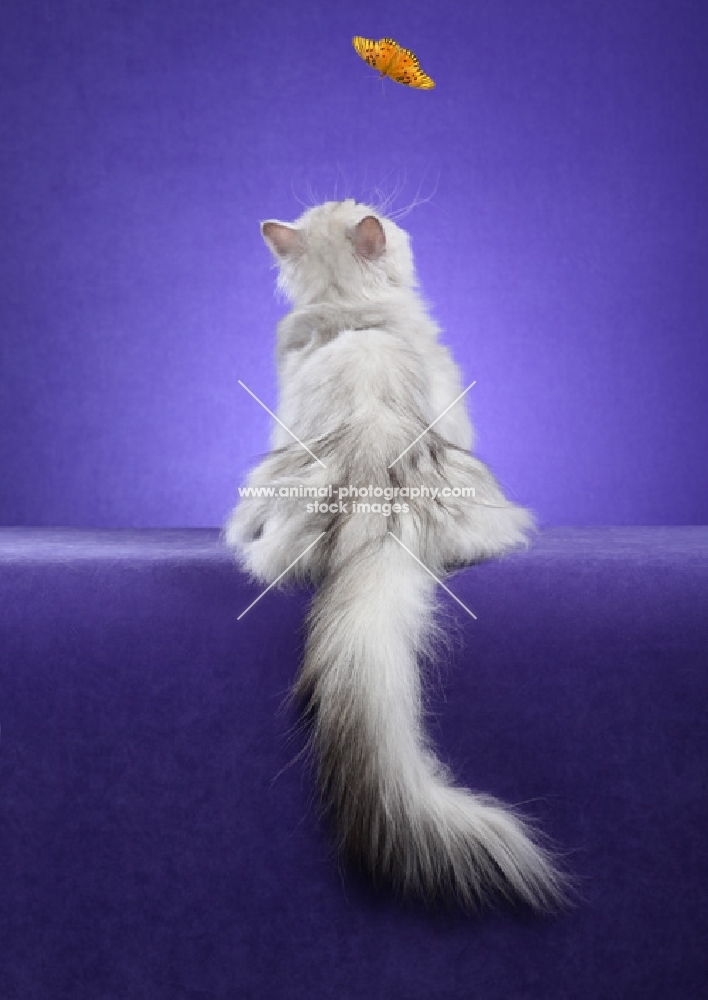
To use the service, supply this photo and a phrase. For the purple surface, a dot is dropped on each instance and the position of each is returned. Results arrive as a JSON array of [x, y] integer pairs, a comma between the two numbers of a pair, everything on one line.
[[565, 250], [157, 837]]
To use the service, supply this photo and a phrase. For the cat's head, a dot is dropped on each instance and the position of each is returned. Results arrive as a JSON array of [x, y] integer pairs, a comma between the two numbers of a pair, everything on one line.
[[340, 251]]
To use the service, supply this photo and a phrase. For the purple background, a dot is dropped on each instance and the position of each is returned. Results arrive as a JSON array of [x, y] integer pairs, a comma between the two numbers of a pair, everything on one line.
[[564, 251]]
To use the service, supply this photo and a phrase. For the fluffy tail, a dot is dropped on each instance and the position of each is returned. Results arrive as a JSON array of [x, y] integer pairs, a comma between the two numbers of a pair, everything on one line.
[[397, 812]]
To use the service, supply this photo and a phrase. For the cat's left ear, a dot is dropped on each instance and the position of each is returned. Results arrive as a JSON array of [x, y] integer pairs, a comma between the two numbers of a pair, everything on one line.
[[369, 238], [283, 240]]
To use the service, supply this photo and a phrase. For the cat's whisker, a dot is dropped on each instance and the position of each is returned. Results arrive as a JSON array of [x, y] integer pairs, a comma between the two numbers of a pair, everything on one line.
[[417, 201], [386, 200], [313, 199], [401, 181], [297, 197], [347, 186], [383, 203], [404, 181], [363, 185], [399, 213], [383, 196], [380, 205]]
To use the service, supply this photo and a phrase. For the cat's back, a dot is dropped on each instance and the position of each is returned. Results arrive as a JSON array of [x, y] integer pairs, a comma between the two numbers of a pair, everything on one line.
[[352, 367]]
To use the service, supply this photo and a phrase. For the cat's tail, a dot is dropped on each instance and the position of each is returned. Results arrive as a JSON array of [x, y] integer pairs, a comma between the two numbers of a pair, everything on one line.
[[397, 812]]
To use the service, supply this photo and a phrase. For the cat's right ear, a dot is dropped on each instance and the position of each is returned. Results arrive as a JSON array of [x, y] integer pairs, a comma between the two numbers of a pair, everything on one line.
[[283, 240]]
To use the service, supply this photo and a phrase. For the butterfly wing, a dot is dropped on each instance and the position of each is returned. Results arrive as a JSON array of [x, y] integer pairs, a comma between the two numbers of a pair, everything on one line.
[[378, 55], [406, 69], [368, 49], [388, 54]]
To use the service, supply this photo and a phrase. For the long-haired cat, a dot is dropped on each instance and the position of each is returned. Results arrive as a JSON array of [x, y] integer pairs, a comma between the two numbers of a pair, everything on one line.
[[362, 378]]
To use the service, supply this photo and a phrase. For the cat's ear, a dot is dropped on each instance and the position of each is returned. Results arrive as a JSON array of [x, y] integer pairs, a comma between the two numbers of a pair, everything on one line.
[[283, 240], [369, 238]]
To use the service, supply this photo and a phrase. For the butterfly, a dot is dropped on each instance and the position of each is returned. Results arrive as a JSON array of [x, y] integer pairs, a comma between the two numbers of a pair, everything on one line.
[[390, 59]]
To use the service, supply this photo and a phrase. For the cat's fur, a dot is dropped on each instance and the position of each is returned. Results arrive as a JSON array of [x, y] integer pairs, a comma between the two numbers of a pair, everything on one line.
[[361, 376]]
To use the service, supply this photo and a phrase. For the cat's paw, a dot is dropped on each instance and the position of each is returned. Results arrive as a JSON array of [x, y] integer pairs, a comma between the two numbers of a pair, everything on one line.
[[492, 530], [275, 546]]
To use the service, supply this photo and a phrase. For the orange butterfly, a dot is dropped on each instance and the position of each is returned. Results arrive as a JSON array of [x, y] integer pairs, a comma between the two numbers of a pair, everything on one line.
[[390, 59]]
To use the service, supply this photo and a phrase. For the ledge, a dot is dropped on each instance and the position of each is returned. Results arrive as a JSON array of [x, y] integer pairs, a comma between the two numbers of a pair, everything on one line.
[[158, 836]]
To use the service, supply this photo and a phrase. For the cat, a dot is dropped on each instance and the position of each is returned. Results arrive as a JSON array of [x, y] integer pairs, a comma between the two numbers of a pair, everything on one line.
[[362, 375]]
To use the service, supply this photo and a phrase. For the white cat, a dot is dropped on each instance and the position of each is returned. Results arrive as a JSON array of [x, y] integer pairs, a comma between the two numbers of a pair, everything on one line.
[[362, 376]]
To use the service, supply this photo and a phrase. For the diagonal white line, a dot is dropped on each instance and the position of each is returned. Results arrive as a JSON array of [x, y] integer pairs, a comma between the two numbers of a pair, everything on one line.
[[446, 589], [281, 575], [434, 422], [283, 425]]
